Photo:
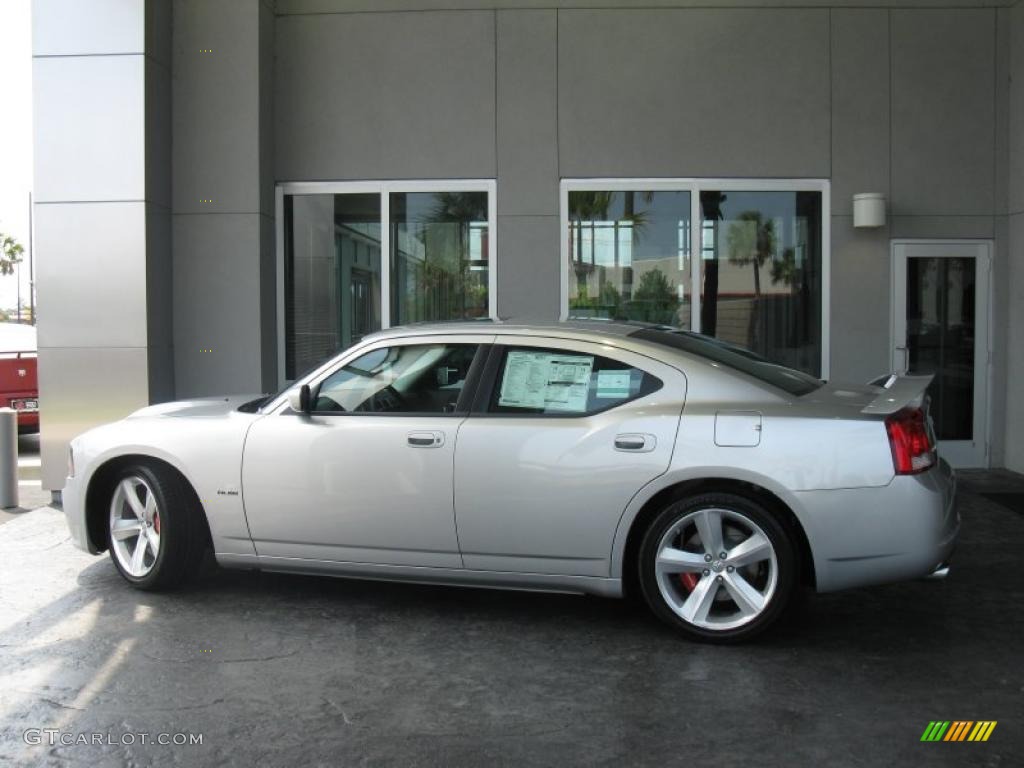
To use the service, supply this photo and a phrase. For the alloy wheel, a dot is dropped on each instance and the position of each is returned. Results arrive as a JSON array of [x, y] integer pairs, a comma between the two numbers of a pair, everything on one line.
[[135, 526], [716, 568]]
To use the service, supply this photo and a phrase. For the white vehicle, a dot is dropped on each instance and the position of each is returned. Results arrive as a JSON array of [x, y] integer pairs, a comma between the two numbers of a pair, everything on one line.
[[582, 457]]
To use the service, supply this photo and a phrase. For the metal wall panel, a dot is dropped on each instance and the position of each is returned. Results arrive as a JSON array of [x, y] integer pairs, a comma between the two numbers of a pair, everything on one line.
[[102, 187], [92, 274], [89, 128], [80, 388], [74, 27]]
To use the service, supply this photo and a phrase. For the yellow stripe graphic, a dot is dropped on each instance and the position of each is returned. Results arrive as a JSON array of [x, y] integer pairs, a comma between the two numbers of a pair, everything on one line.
[[988, 731], [978, 728]]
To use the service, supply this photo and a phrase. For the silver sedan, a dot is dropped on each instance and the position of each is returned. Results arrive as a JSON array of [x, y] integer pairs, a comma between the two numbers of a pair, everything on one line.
[[580, 457]]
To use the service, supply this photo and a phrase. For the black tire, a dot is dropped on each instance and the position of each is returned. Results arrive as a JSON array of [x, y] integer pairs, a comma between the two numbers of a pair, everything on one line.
[[786, 560], [183, 534]]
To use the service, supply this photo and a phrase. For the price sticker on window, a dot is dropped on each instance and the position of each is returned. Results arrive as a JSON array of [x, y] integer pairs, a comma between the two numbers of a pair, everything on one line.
[[542, 380]]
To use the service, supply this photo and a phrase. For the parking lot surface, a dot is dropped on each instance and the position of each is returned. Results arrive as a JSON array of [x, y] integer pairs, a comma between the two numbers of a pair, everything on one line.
[[280, 670]]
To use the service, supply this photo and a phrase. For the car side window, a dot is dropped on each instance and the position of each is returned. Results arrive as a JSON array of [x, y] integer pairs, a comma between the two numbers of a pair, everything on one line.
[[534, 380], [415, 378]]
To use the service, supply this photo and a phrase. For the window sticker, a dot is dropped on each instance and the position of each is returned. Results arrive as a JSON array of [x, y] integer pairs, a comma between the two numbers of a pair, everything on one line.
[[613, 385], [543, 380]]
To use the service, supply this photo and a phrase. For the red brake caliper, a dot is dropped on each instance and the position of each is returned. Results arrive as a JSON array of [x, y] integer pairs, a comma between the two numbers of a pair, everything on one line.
[[689, 580]]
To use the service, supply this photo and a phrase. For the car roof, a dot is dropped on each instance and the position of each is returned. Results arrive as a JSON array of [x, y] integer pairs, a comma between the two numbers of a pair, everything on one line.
[[596, 328]]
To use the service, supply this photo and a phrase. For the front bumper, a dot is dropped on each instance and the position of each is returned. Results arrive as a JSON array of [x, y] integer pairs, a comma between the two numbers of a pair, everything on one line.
[[73, 502], [861, 536]]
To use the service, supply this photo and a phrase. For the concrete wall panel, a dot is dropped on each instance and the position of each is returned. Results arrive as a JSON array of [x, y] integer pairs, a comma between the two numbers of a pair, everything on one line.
[[694, 93], [860, 105], [528, 267], [954, 227], [943, 120], [362, 6], [1014, 416], [860, 301], [1015, 110], [216, 304], [367, 96], [527, 97], [216, 106]]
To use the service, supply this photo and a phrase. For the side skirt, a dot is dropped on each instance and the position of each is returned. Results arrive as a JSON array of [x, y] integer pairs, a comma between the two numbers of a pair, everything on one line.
[[531, 582]]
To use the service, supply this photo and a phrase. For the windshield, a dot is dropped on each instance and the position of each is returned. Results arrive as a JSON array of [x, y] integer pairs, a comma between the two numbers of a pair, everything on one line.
[[794, 382]]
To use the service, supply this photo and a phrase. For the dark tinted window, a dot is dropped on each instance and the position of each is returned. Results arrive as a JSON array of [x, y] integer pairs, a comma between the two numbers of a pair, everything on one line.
[[564, 383], [420, 378], [792, 381]]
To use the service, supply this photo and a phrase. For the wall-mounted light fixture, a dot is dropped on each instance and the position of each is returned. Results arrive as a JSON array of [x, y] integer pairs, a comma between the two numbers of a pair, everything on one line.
[[869, 209]]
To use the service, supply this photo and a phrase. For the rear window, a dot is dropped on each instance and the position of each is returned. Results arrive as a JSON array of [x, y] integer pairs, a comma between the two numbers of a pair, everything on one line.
[[789, 380]]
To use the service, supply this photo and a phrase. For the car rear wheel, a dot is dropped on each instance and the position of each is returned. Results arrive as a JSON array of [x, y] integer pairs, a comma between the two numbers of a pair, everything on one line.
[[718, 567], [154, 528]]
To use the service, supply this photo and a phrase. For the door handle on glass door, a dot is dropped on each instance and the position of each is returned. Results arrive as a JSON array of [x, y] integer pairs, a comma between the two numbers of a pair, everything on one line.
[[635, 443], [906, 359], [425, 439]]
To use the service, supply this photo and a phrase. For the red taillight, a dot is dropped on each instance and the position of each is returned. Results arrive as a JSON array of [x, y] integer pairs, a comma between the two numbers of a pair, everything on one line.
[[912, 449]]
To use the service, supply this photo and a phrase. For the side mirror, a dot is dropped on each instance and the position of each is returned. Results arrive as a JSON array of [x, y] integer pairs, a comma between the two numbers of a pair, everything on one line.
[[298, 399]]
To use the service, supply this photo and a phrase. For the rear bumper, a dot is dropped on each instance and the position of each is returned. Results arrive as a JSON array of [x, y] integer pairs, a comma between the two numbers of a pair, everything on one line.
[[861, 536]]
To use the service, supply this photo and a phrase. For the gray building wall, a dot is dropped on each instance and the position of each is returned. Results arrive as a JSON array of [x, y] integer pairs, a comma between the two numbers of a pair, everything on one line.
[[913, 100], [1013, 283], [222, 205]]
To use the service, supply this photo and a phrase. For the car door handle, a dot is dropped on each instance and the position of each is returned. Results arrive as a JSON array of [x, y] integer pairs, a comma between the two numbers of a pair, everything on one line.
[[425, 439], [636, 443]]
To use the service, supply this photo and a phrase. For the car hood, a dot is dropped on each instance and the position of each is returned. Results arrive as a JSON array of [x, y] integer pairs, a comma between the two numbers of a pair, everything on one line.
[[197, 408]]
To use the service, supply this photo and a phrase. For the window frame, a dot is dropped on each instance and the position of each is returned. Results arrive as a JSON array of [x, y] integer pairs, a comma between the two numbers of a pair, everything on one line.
[[695, 186], [492, 370], [384, 189]]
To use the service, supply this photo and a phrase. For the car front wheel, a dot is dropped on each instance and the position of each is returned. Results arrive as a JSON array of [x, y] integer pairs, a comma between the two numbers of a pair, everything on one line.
[[154, 530], [717, 566]]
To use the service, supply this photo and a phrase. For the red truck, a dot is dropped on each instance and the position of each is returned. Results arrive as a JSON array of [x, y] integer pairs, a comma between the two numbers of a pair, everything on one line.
[[19, 383]]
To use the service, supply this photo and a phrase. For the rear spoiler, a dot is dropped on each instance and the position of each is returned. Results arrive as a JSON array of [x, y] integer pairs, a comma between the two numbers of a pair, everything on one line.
[[898, 392]]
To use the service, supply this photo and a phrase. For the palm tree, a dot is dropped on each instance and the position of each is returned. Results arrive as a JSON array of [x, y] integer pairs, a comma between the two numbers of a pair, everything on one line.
[[751, 240]]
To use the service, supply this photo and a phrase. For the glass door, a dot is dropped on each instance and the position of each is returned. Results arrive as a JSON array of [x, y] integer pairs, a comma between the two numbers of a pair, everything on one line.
[[940, 327]]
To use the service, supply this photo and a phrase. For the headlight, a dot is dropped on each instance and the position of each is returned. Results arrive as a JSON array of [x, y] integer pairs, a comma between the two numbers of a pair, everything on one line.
[[71, 461]]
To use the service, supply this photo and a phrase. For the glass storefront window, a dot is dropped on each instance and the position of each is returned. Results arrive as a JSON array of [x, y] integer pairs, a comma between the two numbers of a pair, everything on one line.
[[332, 275], [758, 260], [761, 273], [629, 256], [439, 264], [347, 272]]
